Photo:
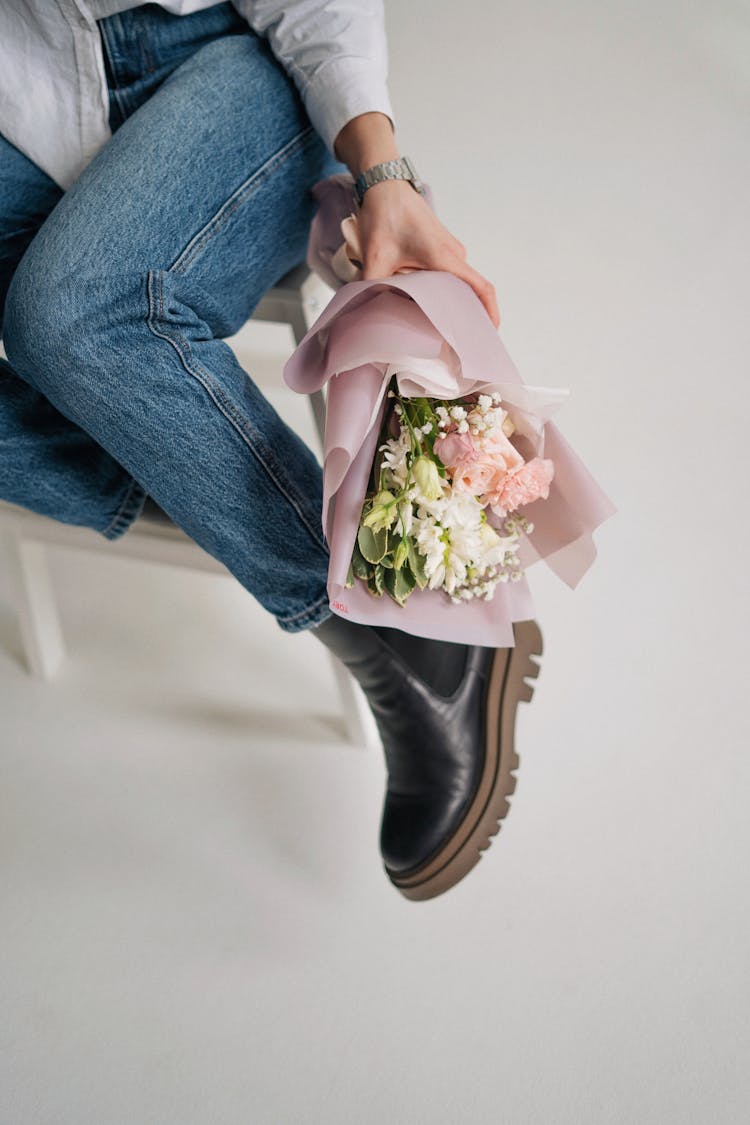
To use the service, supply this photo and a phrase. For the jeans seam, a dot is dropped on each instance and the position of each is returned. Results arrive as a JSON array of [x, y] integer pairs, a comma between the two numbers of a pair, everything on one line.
[[113, 89], [147, 61], [230, 205], [195, 368], [309, 613], [128, 509]]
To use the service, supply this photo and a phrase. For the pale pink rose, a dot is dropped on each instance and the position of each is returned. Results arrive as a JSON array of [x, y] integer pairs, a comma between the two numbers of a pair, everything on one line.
[[479, 474], [453, 448], [523, 486], [497, 447], [486, 470]]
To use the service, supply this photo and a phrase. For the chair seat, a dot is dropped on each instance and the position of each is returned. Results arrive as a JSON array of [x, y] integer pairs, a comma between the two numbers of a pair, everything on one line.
[[149, 539]]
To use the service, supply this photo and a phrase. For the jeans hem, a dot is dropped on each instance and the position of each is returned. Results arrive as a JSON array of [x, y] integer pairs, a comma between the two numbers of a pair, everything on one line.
[[128, 512], [316, 614]]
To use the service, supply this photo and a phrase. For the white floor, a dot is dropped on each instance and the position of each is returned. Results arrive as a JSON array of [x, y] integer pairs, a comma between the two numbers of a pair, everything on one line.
[[196, 927]]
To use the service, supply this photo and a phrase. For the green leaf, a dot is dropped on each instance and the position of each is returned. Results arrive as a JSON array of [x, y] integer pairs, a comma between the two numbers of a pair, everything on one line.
[[372, 544], [423, 412], [416, 562], [399, 584], [349, 577], [375, 582], [359, 563], [405, 581]]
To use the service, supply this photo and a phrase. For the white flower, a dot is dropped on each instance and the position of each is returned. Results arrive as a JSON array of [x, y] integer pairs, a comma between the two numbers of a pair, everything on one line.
[[464, 555], [455, 571], [406, 514], [448, 571], [495, 547], [428, 483], [394, 461], [461, 509], [381, 515], [427, 532]]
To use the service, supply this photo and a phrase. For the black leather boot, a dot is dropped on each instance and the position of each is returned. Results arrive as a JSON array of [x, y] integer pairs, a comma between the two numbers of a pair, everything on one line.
[[446, 716]]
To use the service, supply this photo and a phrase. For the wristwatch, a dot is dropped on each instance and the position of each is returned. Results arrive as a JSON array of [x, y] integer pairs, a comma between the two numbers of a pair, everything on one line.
[[401, 169]]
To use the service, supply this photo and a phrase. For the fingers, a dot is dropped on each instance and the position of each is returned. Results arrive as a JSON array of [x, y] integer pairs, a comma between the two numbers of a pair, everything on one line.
[[399, 232], [382, 262], [484, 290]]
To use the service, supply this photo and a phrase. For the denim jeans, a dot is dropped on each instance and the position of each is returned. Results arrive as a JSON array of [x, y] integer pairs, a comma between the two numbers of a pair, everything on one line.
[[116, 296]]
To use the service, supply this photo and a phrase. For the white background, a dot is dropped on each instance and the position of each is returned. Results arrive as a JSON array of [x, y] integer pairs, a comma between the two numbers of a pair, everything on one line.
[[196, 927]]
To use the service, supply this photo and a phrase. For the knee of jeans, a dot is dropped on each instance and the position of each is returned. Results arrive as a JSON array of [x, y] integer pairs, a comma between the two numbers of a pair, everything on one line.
[[47, 325]]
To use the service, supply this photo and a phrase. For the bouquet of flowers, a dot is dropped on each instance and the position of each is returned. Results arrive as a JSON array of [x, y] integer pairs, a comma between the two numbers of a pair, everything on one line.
[[442, 466], [433, 444]]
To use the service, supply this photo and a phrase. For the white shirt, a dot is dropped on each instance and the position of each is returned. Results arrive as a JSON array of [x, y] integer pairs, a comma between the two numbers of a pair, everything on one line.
[[54, 102]]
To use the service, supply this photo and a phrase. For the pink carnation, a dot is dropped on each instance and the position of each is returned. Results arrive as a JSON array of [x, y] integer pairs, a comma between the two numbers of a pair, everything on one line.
[[523, 486]]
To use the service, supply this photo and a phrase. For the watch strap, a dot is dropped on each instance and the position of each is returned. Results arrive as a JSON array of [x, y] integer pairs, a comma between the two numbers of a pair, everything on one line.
[[400, 169]]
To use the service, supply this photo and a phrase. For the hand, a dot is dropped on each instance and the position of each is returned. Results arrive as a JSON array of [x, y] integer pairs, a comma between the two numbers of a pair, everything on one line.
[[399, 228]]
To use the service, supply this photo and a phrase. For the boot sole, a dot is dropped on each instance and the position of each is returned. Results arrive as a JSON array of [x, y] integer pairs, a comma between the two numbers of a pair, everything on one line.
[[508, 687]]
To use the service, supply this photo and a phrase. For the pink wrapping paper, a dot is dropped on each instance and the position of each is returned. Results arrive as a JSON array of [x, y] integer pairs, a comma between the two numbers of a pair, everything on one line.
[[430, 329]]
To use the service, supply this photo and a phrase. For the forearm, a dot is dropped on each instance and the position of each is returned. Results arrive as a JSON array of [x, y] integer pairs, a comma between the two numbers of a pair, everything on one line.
[[366, 140]]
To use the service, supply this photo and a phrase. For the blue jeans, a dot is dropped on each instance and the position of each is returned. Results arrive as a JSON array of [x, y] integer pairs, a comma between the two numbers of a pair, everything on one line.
[[116, 295]]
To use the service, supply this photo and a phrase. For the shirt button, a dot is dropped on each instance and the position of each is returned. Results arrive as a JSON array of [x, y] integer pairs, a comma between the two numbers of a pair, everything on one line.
[[83, 22]]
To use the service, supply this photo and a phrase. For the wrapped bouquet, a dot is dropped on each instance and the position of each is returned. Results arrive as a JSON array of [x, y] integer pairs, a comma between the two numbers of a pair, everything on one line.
[[442, 466], [443, 477]]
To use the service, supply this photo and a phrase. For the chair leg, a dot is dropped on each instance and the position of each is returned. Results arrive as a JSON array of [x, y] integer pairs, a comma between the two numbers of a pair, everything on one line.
[[36, 606], [358, 718]]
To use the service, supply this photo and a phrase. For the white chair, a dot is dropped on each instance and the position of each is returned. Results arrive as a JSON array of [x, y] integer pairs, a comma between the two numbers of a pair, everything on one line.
[[296, 301]]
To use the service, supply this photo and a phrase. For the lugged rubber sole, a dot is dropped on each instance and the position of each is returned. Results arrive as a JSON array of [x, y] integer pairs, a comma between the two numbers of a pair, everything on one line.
[[508, 687]]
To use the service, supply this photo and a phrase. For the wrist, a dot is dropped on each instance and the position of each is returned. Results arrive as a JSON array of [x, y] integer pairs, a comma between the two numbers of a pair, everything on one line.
[[366, 140]]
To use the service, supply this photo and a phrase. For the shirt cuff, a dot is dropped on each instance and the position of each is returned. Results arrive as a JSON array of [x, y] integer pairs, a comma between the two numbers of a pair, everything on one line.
[[341, 90]]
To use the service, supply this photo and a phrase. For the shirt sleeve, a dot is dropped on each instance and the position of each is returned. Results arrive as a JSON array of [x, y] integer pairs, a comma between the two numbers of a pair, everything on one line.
[[334, 50]]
